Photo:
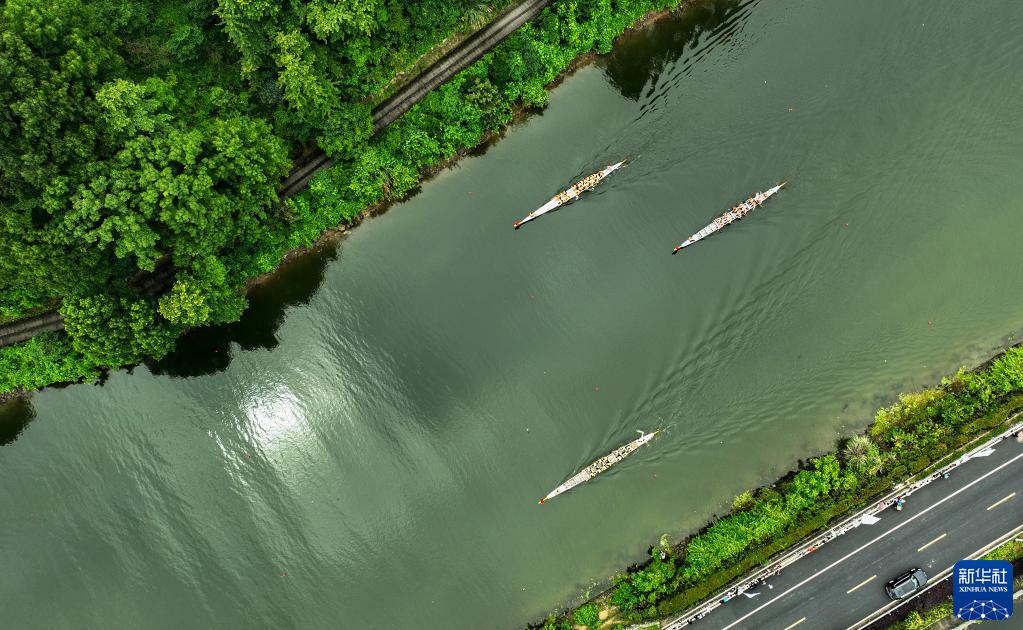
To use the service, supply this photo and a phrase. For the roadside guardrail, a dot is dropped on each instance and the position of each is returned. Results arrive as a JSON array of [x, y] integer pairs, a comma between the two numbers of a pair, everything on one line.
[[809, 545]]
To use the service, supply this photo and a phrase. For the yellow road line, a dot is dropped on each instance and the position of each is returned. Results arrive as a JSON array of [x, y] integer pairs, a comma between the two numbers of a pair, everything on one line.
[[796, 624], [932, 542], [997, 503], [861, 584]]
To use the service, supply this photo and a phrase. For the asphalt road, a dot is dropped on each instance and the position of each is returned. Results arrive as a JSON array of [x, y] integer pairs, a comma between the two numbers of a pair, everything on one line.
[[842, 583]]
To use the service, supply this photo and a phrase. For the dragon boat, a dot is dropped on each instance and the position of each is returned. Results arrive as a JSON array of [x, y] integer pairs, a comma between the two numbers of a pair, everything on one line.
[[729, 217], [601, 464], [571, 193]]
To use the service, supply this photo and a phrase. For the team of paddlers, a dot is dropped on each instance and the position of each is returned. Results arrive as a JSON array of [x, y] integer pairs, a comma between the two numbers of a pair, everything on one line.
[[728, 217], [590, 181], [602, 464], [572, 193]]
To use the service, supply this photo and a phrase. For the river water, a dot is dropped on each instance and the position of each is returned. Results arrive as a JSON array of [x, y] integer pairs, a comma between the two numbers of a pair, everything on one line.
[[366, 448]]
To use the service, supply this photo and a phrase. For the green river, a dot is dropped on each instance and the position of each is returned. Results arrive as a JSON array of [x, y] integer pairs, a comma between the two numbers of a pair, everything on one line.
[[367, 447]]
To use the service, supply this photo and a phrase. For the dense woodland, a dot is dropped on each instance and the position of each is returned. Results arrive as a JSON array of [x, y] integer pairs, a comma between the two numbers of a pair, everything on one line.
[[139, 136]]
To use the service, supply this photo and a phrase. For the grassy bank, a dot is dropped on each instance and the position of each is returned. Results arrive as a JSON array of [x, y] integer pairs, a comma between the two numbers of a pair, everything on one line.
[[909, 437], [233, 80]]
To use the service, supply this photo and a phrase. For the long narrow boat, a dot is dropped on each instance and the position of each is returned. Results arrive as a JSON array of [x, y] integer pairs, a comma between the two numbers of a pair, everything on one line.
[[571, 193], [734, 214], [601, 464]]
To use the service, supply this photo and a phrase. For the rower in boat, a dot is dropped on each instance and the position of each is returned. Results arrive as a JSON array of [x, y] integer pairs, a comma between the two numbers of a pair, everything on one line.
[[601, 465], [736, 213], [571, 193]]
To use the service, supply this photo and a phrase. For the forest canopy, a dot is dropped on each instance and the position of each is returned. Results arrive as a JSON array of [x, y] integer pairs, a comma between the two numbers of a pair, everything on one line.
[[143, 142]]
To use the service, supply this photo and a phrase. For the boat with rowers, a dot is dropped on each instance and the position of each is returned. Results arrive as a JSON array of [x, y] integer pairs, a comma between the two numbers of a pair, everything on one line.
[[571, 193], [734, 214], [601, 464]]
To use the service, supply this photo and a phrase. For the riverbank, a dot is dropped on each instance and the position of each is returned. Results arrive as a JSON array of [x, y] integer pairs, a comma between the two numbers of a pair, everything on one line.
[[392, 379], [914, 436], [519, 110], [493, 94]]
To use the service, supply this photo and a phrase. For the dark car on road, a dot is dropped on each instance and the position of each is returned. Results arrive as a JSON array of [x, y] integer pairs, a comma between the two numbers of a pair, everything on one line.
[[906, 584]]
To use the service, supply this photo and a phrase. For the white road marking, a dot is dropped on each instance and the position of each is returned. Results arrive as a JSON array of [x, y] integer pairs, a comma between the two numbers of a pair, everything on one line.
[[861, 584], [796, 624], [861, 548], [934, 581], [869, 519], [931, 543], [997, 503]]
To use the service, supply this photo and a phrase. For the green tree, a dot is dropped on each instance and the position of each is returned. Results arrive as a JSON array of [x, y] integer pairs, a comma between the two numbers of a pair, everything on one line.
[[552, 623], [204, 294], [187, 181], [186, 42], [477, 14], [115, 331], [809, 486], [313, 96], [53, 56], [624, 594]]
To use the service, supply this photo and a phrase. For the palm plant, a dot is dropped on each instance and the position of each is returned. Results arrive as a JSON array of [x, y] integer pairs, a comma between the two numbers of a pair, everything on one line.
[[477, 14]]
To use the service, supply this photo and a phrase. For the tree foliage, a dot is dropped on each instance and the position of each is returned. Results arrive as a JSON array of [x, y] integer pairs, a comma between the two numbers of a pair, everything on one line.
[[113, 331], [103, 177], [329, 55], [53, 57], [147, 136], [587, 615]]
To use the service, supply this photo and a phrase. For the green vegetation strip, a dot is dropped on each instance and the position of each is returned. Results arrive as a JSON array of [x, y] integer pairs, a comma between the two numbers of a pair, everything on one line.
[[1010, 551], [916, 621], [140, 132], [904, 439]]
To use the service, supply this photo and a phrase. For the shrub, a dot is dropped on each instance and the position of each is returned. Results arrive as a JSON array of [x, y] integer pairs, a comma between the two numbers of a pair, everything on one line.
[[587, 615], [743, 502], [623, 594], [44, 359]]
